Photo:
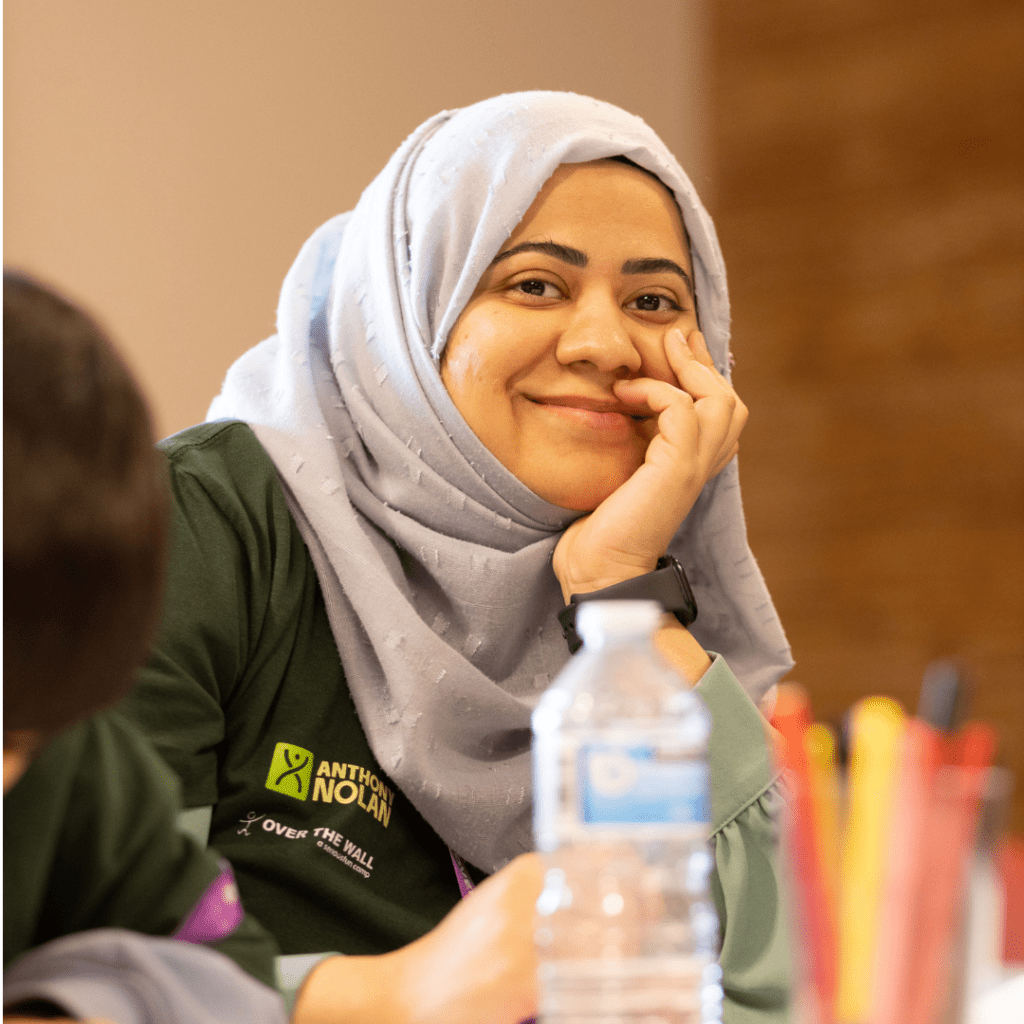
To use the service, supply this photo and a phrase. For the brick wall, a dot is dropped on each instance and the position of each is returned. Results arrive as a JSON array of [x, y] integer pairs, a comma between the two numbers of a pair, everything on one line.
[[868, 195]]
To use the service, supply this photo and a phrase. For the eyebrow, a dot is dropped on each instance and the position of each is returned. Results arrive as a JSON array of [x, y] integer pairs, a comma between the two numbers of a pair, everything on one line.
[[657, 265], [565, 253], [578, 258]]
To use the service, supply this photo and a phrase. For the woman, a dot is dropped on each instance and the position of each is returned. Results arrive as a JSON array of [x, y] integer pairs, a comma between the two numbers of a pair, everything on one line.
[[488, 392]]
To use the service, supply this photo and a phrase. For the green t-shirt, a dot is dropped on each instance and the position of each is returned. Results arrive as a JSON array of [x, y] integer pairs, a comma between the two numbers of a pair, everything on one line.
[[246, 697], [91, 841]]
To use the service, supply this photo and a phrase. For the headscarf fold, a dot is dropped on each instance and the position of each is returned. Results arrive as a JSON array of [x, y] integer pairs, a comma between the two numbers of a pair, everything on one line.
[[434, 559]]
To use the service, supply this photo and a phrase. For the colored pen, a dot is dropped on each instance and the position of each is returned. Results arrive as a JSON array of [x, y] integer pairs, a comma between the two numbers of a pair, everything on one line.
[[877, 725], [792, 717], [955, 810], [820, 748], [921, 755]]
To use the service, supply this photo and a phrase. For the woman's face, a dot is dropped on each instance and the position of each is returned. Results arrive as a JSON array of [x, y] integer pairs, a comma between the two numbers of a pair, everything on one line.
[[581, 295]]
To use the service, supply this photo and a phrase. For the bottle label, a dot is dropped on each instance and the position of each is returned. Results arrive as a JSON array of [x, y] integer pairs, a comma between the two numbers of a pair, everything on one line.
[[633, 785]]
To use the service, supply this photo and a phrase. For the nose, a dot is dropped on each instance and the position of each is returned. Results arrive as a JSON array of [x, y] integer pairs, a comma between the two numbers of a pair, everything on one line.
[[598, 333]]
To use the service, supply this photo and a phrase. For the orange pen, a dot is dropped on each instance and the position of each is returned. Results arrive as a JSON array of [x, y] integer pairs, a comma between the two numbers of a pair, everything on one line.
[[792, 717], [820, 748]]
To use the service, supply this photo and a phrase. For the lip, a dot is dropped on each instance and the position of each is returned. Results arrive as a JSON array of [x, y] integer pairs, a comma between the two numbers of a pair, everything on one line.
[[592, 411]]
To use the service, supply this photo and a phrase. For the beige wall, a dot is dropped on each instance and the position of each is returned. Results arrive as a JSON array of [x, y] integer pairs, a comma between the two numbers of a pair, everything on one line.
[[164, 162]]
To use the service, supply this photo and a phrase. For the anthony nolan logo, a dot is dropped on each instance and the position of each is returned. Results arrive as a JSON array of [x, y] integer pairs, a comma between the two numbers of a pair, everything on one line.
[[291, 768]]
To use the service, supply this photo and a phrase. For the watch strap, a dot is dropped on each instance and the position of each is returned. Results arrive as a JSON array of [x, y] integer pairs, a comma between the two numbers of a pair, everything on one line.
[[667, 585]]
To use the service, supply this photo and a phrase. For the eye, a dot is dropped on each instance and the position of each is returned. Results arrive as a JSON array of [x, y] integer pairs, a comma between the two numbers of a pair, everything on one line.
[[534, 286], [653, 303]]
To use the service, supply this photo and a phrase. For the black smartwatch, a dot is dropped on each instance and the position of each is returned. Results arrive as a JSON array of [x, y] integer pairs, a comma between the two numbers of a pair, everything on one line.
[[667, 585]]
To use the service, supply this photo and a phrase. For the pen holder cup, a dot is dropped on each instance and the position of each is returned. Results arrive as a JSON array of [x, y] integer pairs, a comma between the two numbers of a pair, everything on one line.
[[935, 942]]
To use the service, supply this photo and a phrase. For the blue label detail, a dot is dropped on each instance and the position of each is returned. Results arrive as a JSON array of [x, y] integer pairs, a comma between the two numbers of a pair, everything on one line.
[[632, 785]]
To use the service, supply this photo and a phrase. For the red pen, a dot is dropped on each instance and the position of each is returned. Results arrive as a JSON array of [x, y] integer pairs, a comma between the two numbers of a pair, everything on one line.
[[955, 809]]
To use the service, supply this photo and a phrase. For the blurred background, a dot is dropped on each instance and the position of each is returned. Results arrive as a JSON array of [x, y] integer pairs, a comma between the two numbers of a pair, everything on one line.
[[863, 161]]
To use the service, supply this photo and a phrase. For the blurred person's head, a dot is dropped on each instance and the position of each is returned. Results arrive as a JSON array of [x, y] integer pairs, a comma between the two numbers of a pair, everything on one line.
[[85, 520]]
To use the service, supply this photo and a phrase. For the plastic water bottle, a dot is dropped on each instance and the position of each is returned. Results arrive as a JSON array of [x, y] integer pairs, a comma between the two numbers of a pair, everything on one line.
[[626, 930]]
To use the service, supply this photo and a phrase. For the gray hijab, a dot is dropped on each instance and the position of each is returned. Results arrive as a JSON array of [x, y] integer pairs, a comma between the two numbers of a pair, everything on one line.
[[434, 560]]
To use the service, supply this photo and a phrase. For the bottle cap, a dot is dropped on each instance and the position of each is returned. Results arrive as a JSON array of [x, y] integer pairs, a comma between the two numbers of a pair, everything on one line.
[[602, 620]]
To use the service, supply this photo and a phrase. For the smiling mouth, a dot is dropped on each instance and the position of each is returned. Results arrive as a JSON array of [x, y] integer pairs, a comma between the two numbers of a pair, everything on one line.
[[592, 405]]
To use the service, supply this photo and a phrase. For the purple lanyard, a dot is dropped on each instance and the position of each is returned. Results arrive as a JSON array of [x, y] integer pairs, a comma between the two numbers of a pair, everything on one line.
[[466, 885]]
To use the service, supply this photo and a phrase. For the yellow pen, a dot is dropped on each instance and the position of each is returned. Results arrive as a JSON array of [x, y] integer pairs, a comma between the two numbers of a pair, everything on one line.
[[876, 729]]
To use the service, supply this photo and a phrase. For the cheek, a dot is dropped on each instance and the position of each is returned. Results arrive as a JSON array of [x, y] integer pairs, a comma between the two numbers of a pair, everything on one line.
[[459, 368], [477, 360], [462, 365], [473, 379]]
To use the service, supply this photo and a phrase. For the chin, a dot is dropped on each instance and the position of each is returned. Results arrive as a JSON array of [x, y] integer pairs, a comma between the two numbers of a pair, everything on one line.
[[575, 504], [583, 496]]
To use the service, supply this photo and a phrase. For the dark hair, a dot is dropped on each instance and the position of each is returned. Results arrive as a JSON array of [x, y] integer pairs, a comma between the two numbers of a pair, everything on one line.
[[85, 514]]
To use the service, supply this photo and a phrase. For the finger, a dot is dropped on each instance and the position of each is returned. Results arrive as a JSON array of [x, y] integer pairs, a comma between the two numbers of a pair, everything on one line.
[[705, 420], [719, 419], [649, 394], [740, 415], [703, 409], [726, 434], [678, 347], [729, 456], [696, 345], [704, 426], [696, 382], [699, 347], [692, 366]]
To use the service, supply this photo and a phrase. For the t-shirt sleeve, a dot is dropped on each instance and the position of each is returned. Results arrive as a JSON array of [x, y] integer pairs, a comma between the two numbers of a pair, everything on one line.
[[91, 841], [229, 525], [747, 797]]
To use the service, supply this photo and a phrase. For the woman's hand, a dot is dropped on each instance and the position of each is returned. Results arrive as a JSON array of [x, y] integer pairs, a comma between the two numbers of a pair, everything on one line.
[[478, 965], [699, 424]]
